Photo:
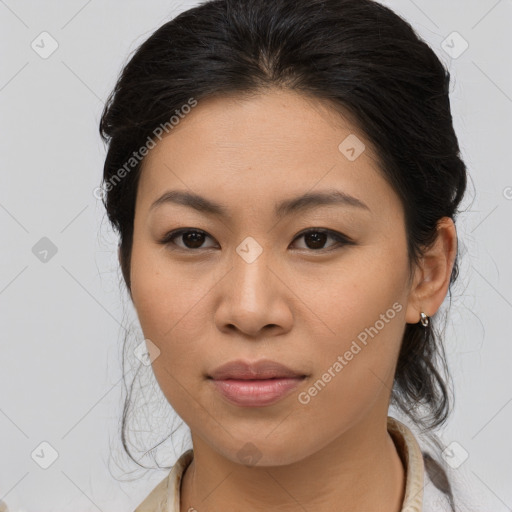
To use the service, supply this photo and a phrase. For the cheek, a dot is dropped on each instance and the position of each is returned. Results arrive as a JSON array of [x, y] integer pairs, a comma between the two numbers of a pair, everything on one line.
[[354, 367], [167, 299], [172, 310], [362, 308], [166, 308], [352, 295]]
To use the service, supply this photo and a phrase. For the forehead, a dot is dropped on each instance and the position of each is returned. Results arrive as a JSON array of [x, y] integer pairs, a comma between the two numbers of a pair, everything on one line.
[[275, 144], [274, 123]]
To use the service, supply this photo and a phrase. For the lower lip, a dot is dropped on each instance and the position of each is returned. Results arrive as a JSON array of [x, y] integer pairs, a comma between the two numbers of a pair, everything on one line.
[[256, 393]]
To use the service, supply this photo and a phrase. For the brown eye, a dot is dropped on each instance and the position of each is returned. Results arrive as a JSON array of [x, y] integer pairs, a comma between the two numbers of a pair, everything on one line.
[[315, 239], [193, 239], [190, 238]]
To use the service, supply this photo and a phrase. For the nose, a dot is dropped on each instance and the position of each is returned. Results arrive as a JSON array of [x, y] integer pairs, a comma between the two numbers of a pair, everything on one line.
[[254, 298]]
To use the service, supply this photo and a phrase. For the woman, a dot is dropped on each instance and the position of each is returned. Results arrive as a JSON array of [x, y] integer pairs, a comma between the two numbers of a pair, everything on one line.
[[284, 177]]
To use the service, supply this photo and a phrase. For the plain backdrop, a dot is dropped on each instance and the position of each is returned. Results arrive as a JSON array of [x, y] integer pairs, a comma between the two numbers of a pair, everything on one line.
[[64, 313]]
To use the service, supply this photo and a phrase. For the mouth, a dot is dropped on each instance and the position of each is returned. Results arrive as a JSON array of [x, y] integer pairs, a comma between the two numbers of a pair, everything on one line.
[[255, 384]]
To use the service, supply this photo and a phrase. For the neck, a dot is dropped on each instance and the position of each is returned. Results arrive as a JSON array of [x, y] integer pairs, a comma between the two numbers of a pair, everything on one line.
[[359, 470]]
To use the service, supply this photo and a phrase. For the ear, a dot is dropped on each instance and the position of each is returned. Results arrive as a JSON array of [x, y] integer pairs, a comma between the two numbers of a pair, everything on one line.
[[432, 276]]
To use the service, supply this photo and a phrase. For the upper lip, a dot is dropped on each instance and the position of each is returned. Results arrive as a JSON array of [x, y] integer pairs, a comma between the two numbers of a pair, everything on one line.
[[264, 369]]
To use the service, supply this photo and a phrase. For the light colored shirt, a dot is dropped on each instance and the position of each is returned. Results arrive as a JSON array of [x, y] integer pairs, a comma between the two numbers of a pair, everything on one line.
[[421, 495]]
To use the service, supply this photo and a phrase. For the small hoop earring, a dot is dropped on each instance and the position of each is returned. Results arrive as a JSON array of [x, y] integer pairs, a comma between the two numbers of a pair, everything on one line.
[[424, 319]]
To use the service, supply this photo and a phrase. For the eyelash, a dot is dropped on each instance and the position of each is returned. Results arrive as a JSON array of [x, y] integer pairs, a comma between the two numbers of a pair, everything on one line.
[[341, 239]]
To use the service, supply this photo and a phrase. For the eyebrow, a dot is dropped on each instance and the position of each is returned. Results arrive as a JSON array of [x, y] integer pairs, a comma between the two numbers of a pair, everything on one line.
[[287, 207]]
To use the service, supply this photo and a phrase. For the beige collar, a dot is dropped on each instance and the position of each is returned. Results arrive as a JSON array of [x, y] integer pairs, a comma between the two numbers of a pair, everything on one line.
[[165, 497]]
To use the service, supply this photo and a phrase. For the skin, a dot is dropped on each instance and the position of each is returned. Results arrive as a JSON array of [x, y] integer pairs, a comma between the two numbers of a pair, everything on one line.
[[296, 304]]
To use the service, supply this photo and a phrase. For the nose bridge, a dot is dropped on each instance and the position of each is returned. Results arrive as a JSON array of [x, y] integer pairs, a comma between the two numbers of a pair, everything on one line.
[[251, 270]]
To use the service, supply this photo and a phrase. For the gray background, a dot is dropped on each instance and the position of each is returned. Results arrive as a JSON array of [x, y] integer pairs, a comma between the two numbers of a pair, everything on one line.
[[62, 317]]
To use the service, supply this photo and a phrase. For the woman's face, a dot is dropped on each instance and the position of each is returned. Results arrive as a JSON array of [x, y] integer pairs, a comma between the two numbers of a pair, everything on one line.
[[251, 285]]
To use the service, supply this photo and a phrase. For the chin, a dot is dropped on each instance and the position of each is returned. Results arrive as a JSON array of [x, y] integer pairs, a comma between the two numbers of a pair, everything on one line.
[[261, 453]]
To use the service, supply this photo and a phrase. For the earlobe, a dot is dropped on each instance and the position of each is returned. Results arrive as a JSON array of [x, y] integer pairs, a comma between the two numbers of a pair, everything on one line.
[[432, 278], [414, 305]]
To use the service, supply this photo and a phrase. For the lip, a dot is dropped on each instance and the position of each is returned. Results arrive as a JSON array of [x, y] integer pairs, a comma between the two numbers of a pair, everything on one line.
[[256, 393], [255, 384], [258, 370]]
